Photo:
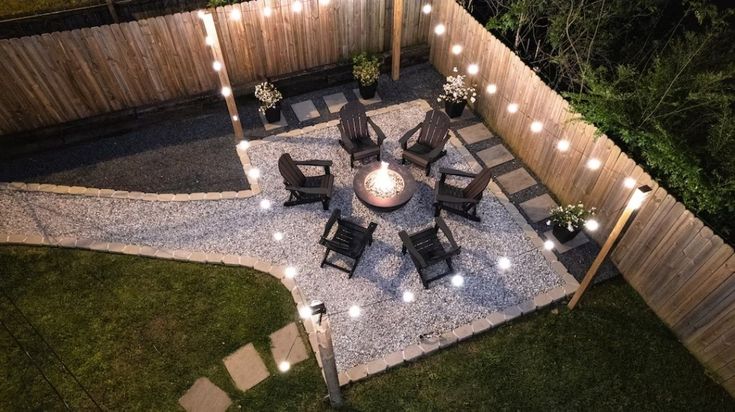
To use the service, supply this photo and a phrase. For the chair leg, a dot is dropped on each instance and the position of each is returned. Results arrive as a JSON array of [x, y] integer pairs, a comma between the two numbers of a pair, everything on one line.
[[352, 162], [449, 264], [423, 281], [403, 161], [437, 210], [325, 258], [403, 250], [428, 169], [325, 204], [354, 266]]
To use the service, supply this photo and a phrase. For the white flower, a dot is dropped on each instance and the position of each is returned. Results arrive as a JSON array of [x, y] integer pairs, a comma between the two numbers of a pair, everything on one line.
[[472, 99]]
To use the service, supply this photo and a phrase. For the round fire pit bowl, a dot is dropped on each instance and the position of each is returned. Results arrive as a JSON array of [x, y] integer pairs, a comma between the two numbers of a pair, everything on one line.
[[383, 186]]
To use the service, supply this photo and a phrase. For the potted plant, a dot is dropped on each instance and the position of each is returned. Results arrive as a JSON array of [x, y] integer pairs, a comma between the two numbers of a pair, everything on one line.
[[366, 69], [270, 101], [567, 221], [456, 94]]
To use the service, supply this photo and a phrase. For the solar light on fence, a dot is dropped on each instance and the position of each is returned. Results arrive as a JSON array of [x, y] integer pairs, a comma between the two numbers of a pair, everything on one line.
[[492, 88], [512, 108], [426, 8], [537, 126], [456, 49], [201, 14], [592, 225], [324, 2], [235, 14], [563, 145], [594, 164], [473, 69], [629, 182], [297, 6], [267, 11], [440, 29]]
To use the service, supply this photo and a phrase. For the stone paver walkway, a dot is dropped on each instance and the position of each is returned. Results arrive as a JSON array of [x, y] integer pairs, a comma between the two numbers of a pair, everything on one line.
[[204, 396], [515, 181], [305, 110], [246, 367], [287, 345], [537, 209]]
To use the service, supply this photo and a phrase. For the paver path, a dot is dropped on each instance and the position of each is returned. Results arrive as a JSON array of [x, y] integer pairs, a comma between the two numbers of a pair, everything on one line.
[[241, 227]]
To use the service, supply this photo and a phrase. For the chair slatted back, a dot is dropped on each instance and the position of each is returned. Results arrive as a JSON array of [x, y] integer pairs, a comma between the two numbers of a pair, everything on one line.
[[434, 129], [353, 120], [291, 173], [478, 184]]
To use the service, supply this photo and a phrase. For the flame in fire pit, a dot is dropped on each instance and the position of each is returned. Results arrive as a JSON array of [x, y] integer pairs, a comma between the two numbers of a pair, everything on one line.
[[384, 182]]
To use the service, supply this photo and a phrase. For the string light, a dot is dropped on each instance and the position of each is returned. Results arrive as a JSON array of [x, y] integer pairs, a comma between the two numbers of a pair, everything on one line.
[[304, 312], [209, 41], [512, 108], [297, 6], [354, 311], [456, 49], [244, 144], [492, 88], [426, 9], [594, 163], [504, 263], [473, 69], [324, 2], [549, 245], [265, 204], [278, 236], [267, 11], [290, 272], [537, 126], [592, 225], [235, 14], [408, 296], [440, 29], [629, 182], [235, 118], [226, 91], [563, 145], [457, 280], [217, 66], [254, 173], [201, 14], [284, 366]]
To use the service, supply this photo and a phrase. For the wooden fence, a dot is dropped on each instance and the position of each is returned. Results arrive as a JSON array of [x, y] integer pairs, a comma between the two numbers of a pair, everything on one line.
[[59, 77], [683, 271]]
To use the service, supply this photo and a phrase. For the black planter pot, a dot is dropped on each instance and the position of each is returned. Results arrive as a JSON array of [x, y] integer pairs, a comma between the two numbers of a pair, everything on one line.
[[563, 235], [454, 109], [273, 114], [368, 92]]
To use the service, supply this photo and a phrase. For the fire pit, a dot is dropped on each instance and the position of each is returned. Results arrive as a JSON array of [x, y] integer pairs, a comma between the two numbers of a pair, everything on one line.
[[384, 186]]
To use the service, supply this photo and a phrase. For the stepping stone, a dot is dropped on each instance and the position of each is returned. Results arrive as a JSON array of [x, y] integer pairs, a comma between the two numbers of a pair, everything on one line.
[[515, 181], [335, 102], [271, 126], [578, 240], [287, 345], [365, 102], [466, 115], [495, 155], [537, 209], [246, 367], [204, 396], [475, 133], [305, 110]]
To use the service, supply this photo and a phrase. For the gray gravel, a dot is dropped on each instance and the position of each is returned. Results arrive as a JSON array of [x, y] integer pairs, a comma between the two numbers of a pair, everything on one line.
[[240, 226]]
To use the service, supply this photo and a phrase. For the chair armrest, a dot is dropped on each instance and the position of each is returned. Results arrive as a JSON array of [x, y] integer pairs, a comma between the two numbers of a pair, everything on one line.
[[447, 233], [455, 172], [435, 152], [404, 140], [345, 140], [322, 163], [309, 190], [378, 132], [452, 199], [408, 244], [330, 223]]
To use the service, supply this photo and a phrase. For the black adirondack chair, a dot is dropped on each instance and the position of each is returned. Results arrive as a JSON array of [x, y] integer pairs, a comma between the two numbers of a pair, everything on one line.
[[461, 201], [355, 135], [429, 146], [350, 240], [426, 249], [306, 189]]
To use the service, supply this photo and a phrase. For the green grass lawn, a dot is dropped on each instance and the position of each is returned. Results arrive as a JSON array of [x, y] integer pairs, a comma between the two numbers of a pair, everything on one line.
[[14, 8], [136, 333]]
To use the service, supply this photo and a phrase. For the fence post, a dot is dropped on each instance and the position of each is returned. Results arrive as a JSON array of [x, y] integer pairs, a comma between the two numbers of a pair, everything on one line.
[[397, 28], [329, 365], [113, 12]]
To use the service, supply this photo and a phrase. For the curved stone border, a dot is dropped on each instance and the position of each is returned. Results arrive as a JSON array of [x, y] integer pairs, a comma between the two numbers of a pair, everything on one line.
[[376, 366]]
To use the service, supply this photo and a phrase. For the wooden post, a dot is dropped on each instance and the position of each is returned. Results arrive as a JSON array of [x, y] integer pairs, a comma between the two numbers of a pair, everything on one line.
[[397, 28], [113, 12], [224, 79], [329, 365], [633, 204]]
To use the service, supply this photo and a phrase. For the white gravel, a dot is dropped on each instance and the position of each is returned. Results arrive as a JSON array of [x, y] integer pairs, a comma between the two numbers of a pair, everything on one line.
[[241, 227]]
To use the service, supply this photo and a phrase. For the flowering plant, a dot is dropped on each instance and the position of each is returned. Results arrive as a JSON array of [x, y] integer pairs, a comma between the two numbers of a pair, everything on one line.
[[570, 216], [268, 95], [456, 91], [366, 68]]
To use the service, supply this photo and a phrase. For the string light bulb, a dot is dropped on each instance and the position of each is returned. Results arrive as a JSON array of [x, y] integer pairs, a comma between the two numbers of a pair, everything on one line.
[[456, 49], [254, 173], [594, 163], [235, 118], [457, 280], [290, 272], [563, 145], [324, 2], [549, 245], [267, 11], [209, 41], [201, 14], [592, 225], [408, 296], [235, 14], [226, 91], [304, 312], [217, 66], [536, 126], [278, 236], [492, 88], [512, 108], [297, 6], [504, 263], [473, 69], [440, 29], [284, 366], [426, 9], [354, 311], [244, 144], [265, 204]]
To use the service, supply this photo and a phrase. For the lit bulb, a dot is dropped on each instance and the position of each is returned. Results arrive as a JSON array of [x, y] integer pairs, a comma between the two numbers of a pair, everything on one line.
[[492, 88], [265, 204], [537, 126], [226, 91], [278, 236], [426, 9], [563, 145], [297, 6], [267, 11], [201, 14], [284, 366], [243, 145], [254, 173], [504, 263], [209, 41], [591, 225], [473, 69], [323, 2], [235, 14], [629, 182], [217, 66], [594, 163], [456, 49], [440, 29], [290, 272], [548, 245], [235, 118], [457, 281], [354, 311], [512, 107], [408, 296], [305, 312]]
